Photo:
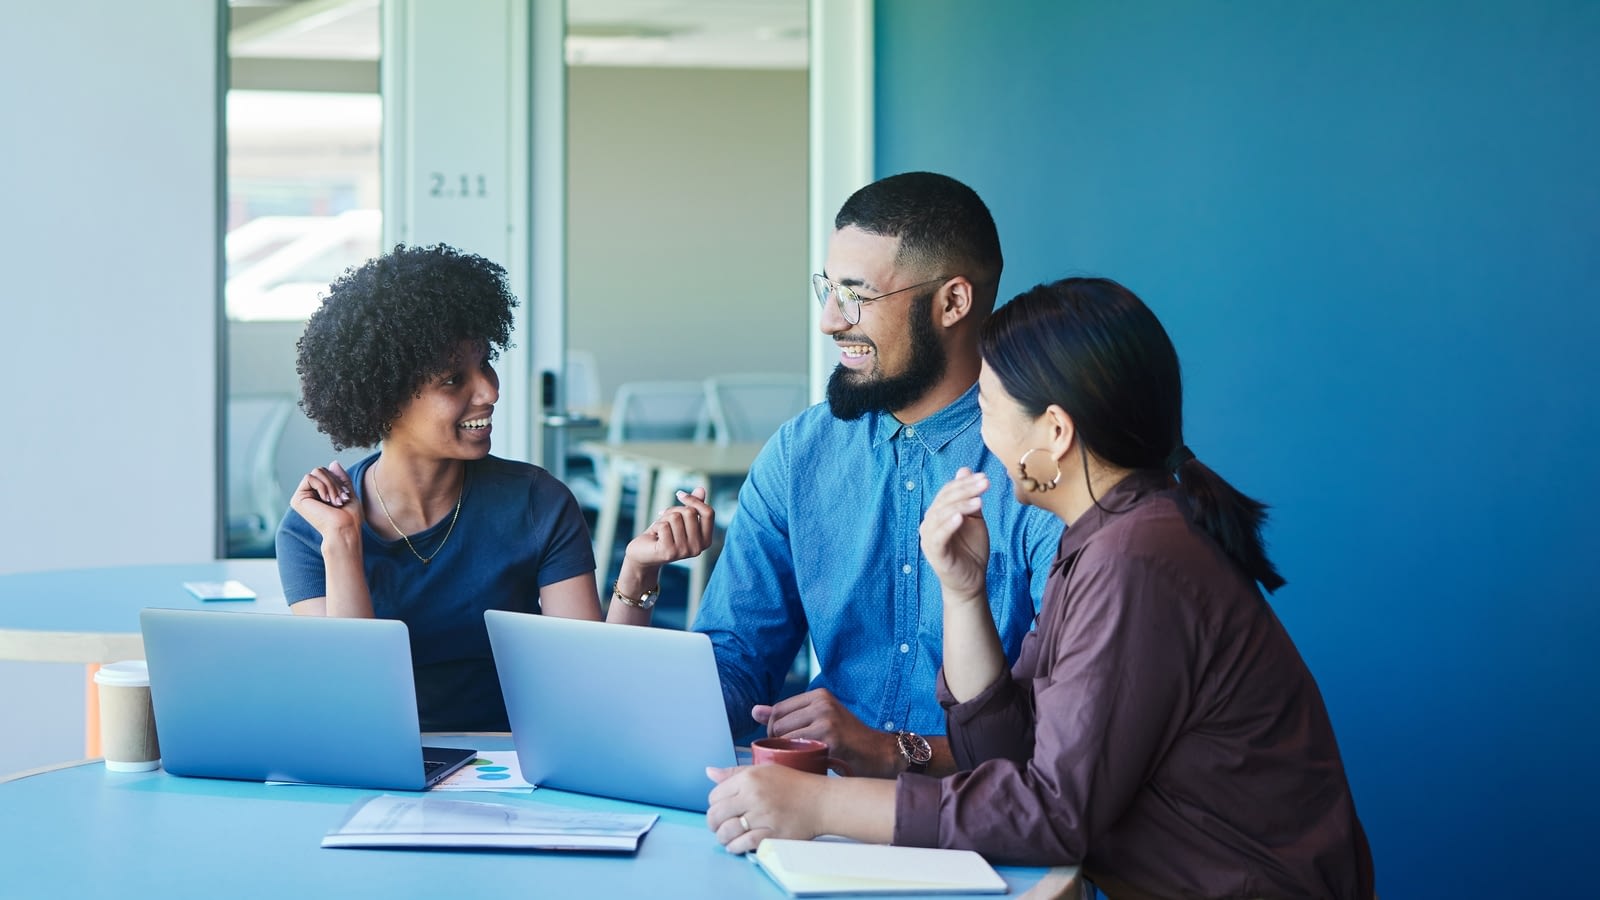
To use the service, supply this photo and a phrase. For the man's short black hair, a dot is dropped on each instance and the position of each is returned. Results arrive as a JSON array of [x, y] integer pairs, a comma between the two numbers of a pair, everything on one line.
[[943, 226]]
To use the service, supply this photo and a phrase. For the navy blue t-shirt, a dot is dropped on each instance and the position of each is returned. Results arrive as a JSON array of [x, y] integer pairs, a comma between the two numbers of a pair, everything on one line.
[[519, 529]]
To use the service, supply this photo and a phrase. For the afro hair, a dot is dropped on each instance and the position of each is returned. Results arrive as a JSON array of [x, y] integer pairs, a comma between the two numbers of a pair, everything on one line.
[[387, 327]]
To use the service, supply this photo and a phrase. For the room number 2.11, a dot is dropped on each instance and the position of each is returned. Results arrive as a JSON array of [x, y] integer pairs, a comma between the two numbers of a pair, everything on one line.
[[442, 185]]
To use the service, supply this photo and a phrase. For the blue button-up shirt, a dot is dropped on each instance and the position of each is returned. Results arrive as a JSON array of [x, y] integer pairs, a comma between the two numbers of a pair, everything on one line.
[[826, 539]]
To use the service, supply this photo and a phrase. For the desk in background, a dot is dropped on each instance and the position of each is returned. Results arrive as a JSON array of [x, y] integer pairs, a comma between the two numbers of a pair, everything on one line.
[[81, 831], [91, 616], [662, 467]]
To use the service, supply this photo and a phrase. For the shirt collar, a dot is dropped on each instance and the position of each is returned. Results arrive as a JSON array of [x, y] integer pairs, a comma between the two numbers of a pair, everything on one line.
[[1128, 493], [936, 430]]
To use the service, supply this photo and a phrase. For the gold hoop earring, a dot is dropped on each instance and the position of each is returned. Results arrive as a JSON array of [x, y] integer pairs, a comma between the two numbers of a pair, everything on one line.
[[1029, 483]]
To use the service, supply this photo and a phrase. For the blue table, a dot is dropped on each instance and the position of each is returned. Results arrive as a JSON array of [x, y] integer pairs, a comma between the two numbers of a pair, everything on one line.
[[81, 831], [91, 616]]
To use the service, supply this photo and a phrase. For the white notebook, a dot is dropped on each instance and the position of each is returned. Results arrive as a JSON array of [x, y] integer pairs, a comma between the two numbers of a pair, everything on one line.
[[821, 868]]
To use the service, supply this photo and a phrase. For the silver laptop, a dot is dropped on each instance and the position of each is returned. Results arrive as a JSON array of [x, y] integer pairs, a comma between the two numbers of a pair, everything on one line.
[[271, 697], [620, 711]]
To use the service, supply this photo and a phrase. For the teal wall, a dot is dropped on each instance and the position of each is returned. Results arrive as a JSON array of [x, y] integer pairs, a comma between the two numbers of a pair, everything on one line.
[[1373, 230]]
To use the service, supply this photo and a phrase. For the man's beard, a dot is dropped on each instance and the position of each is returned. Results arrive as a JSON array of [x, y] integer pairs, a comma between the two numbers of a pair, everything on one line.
[[851, 396]]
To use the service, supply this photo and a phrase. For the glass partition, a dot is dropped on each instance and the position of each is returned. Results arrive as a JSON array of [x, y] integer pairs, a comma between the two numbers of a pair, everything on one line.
[[303, 124]]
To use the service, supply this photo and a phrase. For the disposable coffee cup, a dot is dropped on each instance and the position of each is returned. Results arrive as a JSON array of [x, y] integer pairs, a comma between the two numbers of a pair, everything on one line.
[[127, 720]]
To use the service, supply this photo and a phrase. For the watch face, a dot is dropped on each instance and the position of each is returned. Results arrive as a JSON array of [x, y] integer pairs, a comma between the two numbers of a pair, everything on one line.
[[915, 748]]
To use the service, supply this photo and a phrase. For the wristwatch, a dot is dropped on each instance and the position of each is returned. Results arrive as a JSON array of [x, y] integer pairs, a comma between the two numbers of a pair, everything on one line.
[[914, 747], [645, 601]]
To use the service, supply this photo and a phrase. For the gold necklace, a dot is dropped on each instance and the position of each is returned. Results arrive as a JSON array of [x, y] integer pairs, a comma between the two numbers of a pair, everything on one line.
[[456, 515]]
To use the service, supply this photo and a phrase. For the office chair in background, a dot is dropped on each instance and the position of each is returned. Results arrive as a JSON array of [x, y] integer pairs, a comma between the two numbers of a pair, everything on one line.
[[749, 407]]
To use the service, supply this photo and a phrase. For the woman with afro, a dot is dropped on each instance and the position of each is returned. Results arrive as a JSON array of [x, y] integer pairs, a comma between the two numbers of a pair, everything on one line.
[[431, 529]]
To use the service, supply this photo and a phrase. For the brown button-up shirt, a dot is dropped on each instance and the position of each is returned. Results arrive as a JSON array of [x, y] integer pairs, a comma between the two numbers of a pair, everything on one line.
[[1159, 728]]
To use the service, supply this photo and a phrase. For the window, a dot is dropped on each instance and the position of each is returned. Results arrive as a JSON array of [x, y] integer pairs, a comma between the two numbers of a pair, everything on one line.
[[303, 124]]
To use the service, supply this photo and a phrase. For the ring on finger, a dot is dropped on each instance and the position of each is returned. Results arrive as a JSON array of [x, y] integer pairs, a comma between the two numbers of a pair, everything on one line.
[[744, 823]]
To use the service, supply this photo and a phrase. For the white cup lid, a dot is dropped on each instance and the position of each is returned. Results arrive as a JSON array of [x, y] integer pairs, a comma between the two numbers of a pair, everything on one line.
[[128, 673]]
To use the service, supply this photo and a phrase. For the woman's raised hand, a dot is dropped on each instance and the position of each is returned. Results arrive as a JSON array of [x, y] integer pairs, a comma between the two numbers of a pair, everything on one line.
[[955, 539], [680, 532], [326, 499]]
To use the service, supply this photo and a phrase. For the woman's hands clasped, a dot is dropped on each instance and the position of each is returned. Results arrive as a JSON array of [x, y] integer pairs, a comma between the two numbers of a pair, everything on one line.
[[955, 539]]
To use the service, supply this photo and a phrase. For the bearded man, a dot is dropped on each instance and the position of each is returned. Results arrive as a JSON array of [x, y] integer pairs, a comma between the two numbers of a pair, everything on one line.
[[825, 538]]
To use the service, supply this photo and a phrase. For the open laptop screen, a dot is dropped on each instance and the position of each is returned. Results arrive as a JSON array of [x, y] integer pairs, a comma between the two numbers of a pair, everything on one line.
[[616, 710], [271, 697]]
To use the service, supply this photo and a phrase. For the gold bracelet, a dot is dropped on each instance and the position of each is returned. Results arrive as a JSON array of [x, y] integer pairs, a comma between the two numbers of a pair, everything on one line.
[[645, 601]]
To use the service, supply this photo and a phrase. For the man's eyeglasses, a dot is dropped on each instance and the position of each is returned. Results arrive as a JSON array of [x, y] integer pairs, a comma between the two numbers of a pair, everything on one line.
[[850, 301]]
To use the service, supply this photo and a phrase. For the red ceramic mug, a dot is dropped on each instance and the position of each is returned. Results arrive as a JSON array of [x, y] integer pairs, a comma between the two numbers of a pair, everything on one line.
[[796, 753]]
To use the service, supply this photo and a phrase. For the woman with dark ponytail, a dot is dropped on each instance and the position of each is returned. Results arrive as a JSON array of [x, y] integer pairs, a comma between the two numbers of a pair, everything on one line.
[[1159, 729], [1091, 347]]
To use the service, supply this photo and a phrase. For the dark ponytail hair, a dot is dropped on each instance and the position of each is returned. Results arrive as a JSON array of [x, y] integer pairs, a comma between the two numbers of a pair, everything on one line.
[[1092, 347]]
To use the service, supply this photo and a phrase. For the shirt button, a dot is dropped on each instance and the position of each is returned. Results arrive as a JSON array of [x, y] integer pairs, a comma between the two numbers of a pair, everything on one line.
[[905, 648], [911, 485], [906, 568], [888, 726], [911, 432]]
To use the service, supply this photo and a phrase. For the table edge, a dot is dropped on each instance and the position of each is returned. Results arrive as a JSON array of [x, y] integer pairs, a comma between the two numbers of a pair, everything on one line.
[[44, 770], [27, 645]]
